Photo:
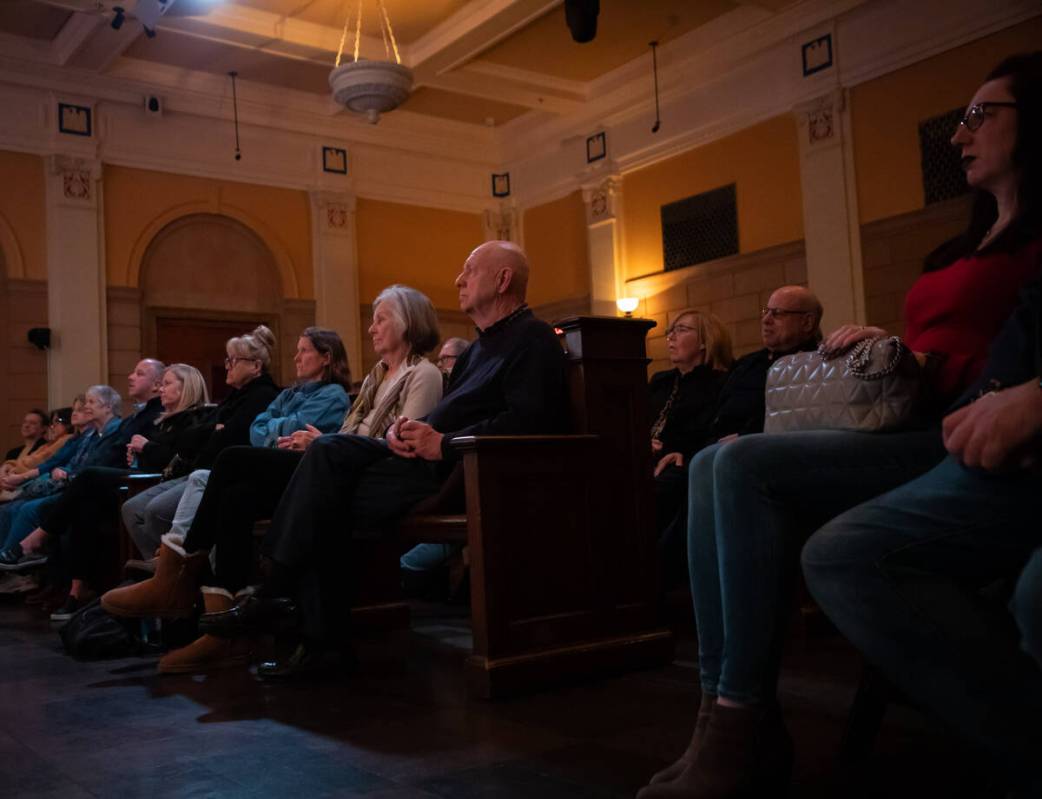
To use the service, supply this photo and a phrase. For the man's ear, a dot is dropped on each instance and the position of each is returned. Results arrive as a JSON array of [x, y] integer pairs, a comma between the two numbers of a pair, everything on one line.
[[503, 279]]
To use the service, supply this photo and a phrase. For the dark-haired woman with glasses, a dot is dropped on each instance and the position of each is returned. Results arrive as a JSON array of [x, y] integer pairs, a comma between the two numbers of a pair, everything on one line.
[[753, 501]]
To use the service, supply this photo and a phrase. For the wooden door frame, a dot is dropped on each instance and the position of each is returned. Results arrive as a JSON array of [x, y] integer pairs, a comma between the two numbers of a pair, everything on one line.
[[152, 314]]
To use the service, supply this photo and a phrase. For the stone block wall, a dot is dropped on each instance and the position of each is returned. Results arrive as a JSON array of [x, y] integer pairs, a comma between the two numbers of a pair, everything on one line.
[[733, 288], [23, 368]]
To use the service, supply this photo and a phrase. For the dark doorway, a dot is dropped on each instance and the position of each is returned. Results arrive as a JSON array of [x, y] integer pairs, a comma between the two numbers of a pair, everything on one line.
[[200, 343]]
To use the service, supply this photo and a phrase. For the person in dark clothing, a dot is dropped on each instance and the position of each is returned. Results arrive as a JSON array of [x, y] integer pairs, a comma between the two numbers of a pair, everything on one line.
[[510, 381], [900, 575], [34, 426], [79, 513], [683, 405]]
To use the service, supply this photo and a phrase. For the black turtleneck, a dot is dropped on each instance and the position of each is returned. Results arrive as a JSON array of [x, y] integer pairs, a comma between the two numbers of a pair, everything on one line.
[[690, 417]]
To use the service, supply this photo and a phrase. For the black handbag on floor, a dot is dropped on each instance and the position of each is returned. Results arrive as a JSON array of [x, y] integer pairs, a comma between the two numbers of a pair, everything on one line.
[[93, 634]]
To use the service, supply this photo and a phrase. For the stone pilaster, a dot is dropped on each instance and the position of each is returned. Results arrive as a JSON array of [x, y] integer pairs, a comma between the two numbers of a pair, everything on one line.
[[603, 200]]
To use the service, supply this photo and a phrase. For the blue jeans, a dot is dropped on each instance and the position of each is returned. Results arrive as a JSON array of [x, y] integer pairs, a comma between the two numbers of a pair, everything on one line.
[[22, 516], [752, 502], [1027, 607], [428, 557], [901, 575]]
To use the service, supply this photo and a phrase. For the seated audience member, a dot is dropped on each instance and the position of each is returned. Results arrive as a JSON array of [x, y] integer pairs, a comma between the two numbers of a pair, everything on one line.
[[148, 515], [59, 431], [247, 483], [21, 516], [900, 574], [79, 513], [511, 380], [34, 428], [683, 407], [754, 499], [449, 354]]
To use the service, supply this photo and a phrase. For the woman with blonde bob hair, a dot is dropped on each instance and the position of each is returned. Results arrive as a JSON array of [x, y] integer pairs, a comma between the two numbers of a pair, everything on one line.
[[683, 406]]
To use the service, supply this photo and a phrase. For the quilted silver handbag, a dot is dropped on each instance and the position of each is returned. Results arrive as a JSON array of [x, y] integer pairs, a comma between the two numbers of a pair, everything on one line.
[[875, 388]]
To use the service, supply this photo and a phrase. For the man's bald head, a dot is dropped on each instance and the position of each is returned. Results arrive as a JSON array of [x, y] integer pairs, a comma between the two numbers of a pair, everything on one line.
[[792, 318], [493, 282]]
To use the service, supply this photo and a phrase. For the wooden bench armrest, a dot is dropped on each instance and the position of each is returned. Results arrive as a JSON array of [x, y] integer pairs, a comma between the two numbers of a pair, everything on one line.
[[481, 444]]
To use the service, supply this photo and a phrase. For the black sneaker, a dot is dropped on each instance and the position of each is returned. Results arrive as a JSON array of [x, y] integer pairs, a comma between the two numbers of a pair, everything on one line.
[[68, 610], [13, 560]]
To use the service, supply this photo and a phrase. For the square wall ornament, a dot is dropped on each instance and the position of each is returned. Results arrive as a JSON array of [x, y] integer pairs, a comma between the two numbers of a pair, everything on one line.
[[501, 184], [334, 159], [596, 147], [74, 120], [817, 54]]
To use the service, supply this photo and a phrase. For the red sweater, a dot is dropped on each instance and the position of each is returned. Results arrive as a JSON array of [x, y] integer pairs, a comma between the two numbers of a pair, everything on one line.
[[958, 310]]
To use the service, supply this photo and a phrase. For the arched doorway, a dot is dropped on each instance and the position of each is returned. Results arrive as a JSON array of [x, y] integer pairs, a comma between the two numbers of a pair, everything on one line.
[[205, 278]]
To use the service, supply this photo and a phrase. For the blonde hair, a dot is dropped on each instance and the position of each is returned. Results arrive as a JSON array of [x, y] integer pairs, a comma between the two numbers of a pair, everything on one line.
[[193, 389], [714, 337], [257, 345]]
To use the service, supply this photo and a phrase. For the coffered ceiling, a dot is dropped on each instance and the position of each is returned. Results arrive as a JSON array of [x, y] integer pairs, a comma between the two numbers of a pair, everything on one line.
[[481, 62]]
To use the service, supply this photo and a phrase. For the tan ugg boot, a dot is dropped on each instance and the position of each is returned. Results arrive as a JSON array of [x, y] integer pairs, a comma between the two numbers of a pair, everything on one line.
[[171, 593], [208, 652]]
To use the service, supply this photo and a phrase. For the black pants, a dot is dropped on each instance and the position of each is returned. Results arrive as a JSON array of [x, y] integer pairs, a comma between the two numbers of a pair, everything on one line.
[[345, 486], [83, 511], [246, 484], [671, 524]]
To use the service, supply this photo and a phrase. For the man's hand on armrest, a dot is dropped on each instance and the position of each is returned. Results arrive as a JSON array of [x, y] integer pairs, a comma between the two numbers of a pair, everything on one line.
[[411, 439], [996, 428]]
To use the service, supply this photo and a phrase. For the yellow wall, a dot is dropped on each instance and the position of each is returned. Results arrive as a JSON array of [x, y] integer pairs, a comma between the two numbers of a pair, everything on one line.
[[421, 247], [138, 203], [764, 163], [555, 240], [22, 207], [886, 113]]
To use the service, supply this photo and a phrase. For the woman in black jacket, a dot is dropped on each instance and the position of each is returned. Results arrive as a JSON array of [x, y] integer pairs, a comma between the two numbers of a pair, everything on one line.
[[683, 406]]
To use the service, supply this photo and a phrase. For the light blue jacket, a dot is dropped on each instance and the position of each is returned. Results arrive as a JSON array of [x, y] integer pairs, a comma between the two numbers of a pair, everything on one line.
[[323, 405]]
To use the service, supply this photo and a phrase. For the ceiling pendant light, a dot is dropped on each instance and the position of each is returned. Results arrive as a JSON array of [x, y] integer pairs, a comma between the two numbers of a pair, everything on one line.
[[366, 86]]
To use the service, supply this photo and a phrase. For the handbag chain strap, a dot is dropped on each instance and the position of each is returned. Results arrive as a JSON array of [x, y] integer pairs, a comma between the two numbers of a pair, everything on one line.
[[860, 358]]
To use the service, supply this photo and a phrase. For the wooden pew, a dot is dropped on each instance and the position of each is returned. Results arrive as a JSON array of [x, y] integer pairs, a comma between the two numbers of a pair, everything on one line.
[[560, 529]]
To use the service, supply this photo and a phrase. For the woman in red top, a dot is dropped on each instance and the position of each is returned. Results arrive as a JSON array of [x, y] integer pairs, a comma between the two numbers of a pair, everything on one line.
[[755, 499]]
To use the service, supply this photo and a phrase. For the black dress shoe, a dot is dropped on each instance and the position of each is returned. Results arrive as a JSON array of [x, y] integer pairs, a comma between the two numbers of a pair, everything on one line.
[[250, 615], [308, 660]]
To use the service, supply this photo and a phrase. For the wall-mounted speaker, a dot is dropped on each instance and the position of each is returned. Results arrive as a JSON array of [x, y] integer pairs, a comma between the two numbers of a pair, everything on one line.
[[153, 106], [40, 337]]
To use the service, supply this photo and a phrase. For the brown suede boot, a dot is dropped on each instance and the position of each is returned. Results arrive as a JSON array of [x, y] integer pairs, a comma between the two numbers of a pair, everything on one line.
[[170, 594], [746, 753], [670, 773], [208, 652]]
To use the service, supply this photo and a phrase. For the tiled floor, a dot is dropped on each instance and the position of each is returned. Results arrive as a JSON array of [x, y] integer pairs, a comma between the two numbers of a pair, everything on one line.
[[403, 727]]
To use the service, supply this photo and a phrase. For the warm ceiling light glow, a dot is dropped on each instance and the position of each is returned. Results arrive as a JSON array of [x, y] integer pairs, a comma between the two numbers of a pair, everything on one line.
[[627, 304]]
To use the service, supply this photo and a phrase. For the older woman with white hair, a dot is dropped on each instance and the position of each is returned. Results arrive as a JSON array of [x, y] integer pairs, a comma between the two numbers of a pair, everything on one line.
[[247, 483]]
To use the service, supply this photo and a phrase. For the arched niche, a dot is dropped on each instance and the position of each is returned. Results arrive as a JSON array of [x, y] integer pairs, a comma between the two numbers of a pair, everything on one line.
[[205, 277]]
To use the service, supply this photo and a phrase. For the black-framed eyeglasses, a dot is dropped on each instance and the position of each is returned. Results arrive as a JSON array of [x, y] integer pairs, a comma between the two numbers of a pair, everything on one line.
[[774, 313], [978, 112], [230, 362], [677, 329]]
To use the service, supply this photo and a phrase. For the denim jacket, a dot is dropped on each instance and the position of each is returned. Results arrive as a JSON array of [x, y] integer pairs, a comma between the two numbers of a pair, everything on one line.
[[323, 405]]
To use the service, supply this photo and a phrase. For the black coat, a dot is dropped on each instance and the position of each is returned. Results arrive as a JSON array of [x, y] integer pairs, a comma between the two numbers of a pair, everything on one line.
[[690, 418]]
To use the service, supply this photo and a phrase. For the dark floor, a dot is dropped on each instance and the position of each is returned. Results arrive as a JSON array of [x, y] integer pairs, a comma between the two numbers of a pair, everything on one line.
[[403, 727]]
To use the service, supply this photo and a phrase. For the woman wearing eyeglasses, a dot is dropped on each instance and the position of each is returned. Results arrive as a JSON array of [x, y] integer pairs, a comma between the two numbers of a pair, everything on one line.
[[754, 501], [683, 406], [248, 358]]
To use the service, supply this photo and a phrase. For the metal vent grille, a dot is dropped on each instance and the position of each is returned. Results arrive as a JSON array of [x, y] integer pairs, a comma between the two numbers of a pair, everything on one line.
[[700, 228], [943, 177]]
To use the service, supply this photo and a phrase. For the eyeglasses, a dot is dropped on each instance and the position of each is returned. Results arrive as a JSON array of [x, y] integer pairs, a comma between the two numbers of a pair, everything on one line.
[[229, 363], [978, 112], [678, 329], [774, 313]]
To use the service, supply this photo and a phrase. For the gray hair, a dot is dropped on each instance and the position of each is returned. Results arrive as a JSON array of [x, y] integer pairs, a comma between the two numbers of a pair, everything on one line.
[[456, 345], [414, 316], [157, 367], [257, 345], [107, 396]]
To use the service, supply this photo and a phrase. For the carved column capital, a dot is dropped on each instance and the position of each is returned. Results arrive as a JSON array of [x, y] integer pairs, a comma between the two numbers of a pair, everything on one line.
[[76, 177], [502, 222], [820, 119], [333, 211], [603, 199]]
